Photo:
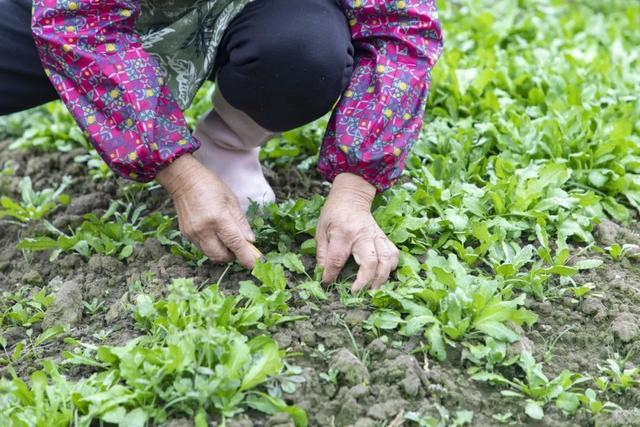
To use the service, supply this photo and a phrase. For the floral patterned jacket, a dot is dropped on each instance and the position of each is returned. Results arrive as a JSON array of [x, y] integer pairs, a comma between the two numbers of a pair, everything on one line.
[[126, 68]]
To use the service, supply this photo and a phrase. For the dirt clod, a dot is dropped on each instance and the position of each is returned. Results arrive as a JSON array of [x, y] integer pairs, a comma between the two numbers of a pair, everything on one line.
[[593, 306], [67, 306], [366, 422], [387, 409], [118, 309], [351, 369], [70, 262], [607, 232], [32, 277], [240, 422], [104, 264], [359, 390], [625, 327], [618, 418], [523, 344], [13, 333], [377, 347], [283, 339], [349, 411], [154, 249], [405, 370], [86, 203]]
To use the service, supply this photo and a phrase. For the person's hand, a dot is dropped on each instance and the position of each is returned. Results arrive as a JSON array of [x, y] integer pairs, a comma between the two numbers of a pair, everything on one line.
[[346, 227], [208, 212]]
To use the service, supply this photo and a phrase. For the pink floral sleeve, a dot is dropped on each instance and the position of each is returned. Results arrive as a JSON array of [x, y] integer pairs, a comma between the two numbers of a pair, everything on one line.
[[110, 84], [380, 115]]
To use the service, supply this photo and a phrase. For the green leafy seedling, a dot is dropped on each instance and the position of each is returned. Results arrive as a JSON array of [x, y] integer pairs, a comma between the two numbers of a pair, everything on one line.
[[34, 205]]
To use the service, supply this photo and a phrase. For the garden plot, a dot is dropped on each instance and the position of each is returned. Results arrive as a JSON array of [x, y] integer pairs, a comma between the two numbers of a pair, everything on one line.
[[517, 299]]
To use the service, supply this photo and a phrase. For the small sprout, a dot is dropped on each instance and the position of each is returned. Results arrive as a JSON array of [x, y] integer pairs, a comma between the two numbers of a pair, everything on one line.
[[617, 377], [34, 205], [331, 376], [94, 307], [618, 252]]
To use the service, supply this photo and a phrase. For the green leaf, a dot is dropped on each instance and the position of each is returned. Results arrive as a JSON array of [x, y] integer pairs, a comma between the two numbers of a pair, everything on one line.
[[497, 330], [308, 247], [292, 262], [126, 252], [314, 288], [568, 402], [272, 405], [534, 410], [436, 342], [135, 418], [588, 264], [49, 334], [385, 319], [39, 244], [267, 363], [117, 415], [145, 307]]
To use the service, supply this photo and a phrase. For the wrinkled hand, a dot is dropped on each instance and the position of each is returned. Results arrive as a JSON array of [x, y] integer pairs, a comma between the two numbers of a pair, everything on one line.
[[208, 212], [346, 227]]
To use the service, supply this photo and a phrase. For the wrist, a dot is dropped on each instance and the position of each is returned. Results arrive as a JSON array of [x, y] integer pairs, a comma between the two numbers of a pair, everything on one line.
[[176, 176], [354, 189]]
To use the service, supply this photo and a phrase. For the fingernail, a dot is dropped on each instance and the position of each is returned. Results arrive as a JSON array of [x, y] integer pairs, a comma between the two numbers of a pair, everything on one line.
[[256, 250]]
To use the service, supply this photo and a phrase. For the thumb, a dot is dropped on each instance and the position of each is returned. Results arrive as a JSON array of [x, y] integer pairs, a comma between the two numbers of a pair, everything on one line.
[[242, 222], [234, 239], [321, 245]]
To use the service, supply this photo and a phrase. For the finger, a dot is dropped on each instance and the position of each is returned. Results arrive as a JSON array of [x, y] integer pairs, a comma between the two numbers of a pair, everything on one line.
[[365, 254], [395, 257], [213, 248], [233, 238], [241, 220], [321, 245], [338, 252], [386, 257]]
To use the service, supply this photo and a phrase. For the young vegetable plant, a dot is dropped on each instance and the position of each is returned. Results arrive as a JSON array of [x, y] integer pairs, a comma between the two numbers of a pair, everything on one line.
[[536, 388], [270, 299], [34, 205], [50, 128], [8, 168], [193, 360], [626, 250], [98, 169], [19, 310], [115, 233], [450, 304], [616, 377], [593, 404]]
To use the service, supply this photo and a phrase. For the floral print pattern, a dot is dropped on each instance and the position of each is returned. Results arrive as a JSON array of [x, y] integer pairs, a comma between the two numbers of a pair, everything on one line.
[[125, 69], [380, 114]]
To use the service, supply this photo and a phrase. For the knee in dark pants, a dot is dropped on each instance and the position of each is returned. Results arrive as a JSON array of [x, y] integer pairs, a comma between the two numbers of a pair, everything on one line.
[[286, 62]]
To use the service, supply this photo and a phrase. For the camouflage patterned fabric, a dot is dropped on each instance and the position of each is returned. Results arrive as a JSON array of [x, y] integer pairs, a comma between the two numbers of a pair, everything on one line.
[[183, 36]]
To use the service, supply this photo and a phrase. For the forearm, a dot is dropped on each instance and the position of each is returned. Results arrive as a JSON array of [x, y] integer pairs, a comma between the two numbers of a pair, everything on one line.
[[355, 189], [380, 115], [178, 175], [112, 87]]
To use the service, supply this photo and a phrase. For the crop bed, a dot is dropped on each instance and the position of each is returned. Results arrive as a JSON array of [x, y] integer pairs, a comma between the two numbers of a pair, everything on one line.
[[517, 298]]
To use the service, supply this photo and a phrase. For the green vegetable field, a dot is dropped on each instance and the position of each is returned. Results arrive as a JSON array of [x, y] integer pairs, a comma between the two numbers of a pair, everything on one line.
[[516, 301]]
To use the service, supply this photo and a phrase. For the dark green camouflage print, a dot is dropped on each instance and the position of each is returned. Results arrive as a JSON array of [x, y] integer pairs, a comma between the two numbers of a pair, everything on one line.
[[184, 36]]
